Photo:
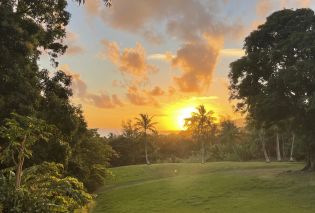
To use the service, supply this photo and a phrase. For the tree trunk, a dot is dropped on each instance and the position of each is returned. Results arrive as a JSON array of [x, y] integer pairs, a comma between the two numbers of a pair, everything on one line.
[[292, 147], [19, 166], [312, 168], [262, 138], [283, 148], [265, 152], [278, 147], [310, 160], [146, 149], [202, 152]]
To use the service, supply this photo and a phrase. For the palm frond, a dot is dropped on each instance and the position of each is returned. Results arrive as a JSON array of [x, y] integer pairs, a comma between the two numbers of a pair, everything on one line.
[[145, 122]]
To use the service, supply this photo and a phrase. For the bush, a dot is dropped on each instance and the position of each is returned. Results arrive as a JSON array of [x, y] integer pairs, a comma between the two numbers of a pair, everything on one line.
[[48, 192]]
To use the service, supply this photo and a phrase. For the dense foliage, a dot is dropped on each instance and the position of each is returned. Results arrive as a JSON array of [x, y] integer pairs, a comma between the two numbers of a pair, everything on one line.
[[38, 122], [51, 191], [275, 81]]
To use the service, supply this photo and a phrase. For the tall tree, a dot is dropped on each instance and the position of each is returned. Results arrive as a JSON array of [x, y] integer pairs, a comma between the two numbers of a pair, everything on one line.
[[144, 124], [275, 80], [27, 28], [201, 123]]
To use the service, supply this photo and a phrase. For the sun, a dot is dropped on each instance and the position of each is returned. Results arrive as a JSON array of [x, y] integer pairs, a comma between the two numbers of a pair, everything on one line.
[[174, 114], [182, 115]]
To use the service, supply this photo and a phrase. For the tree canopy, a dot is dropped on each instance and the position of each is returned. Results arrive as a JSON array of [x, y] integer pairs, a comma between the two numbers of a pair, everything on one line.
[[275, 80], [32, 99]]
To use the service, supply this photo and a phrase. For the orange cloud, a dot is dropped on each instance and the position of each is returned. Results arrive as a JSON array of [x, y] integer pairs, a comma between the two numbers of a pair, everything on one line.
[[104, 100], [93, 7], [264, 7], [111, 51], [156, 91], [184, 19], [116, 101], [198, 61], [80, 90], [72, 42], [171, 91], [78, 86], [116, 83], [232, 52], [74, 50], [192, 17], [140, 97], [295, 3], [72, 37], [132, 61]]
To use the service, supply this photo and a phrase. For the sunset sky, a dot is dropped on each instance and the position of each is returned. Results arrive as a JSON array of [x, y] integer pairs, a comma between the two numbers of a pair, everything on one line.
[[161, 57]]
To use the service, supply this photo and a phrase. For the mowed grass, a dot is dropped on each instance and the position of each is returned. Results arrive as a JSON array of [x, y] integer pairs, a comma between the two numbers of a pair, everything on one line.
[[213, 187]]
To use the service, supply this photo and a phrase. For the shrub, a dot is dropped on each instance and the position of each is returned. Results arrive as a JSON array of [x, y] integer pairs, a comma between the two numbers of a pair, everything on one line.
[[48, 192]]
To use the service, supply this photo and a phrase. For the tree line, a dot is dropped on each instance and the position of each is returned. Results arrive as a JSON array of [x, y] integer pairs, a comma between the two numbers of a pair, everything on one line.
[[205, 139]]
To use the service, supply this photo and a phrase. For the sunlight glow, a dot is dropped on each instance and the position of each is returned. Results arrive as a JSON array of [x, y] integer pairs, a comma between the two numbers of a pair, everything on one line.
[[174, 114], [183, 114]]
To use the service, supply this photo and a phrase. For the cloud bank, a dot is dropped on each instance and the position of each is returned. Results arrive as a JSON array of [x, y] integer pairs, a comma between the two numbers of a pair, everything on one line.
[[191, 22]]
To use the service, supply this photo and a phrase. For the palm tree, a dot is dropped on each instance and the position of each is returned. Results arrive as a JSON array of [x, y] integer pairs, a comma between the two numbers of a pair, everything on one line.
[[144, 124], [229, 135], [201, 123]]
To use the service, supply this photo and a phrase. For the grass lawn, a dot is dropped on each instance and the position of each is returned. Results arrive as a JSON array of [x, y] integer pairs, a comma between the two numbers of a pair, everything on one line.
[[213, 187]]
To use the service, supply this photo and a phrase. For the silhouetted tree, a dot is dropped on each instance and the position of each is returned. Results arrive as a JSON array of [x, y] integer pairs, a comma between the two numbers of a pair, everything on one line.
[[201, 124], [274, 81], [144, 124], [229, 135]]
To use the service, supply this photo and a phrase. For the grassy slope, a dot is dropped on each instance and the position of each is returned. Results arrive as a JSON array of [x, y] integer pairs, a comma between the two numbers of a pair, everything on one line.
[[212, 187]]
